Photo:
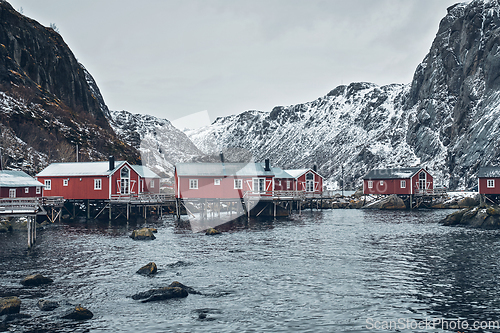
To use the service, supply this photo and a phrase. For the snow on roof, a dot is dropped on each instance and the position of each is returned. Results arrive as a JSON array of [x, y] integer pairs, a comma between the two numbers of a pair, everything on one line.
[[79, 169], [222, 169], [144, 171], [489, 172], [9, 178], [279, 173], [397, 173]]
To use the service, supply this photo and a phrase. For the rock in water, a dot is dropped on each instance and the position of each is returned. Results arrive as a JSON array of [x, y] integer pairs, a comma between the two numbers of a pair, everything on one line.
[[9, 305], [174, 290], [143, 234], [212, 231], [45, 305], [390, 202], [35, 280], [78, 313], [149, 269]]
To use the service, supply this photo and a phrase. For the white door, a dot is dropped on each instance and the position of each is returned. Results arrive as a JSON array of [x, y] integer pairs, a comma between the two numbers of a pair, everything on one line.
[[259, 185], [124, 181], [310, 182]]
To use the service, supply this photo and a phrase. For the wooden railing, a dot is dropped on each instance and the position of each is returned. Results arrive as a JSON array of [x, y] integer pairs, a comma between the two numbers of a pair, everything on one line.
[[142, 198], [435, 191], [19, 206], [270, 195]]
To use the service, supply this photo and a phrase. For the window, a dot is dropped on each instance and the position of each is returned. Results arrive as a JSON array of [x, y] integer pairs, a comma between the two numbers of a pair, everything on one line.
[[310, 182], [259, 185], [279, 182], [38, 190], [490, 183], [97, 184], [217, 181], [152, 183], [403, 184], [287, 184], [193, 184], [370, 184], [12, 193], [65, 182], [48, 184], [26, 190], [238, 184]]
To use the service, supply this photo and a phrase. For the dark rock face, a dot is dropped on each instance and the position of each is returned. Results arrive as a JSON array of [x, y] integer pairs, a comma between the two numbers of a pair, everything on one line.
[[9, 305], [212, 231], [391, 202], [49, 100], [35, 280], [148, 269]]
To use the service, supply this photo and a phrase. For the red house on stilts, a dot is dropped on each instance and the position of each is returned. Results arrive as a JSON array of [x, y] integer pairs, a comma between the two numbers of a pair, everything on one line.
[[402, 181], [489, 180], [18, 184], [97, 180]]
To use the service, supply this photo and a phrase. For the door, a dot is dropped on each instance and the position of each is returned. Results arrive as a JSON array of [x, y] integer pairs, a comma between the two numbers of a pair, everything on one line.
[[310, 182], [125, 181], [259, 185], [422, 180]]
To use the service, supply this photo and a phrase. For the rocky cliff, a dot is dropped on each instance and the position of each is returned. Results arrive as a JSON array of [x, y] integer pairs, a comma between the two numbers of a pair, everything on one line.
[[49, 102], [446, 119]]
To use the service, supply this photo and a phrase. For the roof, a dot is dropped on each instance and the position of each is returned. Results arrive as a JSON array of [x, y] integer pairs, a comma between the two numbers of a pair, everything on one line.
[[296, 173], [144, 171], [9, 178], [280, 173], [79, 169], [222, 169], [489, 172], [397, 173]]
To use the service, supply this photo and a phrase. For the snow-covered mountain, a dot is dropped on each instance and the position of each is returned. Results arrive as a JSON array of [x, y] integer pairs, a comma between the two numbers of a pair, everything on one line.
[[161, 144], [446, 119]]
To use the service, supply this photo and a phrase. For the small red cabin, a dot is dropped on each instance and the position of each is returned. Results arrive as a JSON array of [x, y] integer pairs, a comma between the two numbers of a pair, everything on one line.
[[306, 180], [222, 180], [18, 184], [404, 181], [97, 180], [489, 180]]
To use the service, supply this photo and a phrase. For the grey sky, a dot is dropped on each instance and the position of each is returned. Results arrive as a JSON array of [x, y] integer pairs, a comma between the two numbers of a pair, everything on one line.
[[175, 58]]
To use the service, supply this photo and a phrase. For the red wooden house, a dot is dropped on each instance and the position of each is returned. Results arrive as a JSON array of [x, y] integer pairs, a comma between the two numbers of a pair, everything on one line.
[[489, 180], [404, 181], [306, 180], [97, 180], [18, 184], [222, 180]]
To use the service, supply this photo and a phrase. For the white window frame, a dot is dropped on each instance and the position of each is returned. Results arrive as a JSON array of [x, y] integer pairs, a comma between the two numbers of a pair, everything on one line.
[[193, 184], [370, 184], [12, 193], [403, 184], [38, 190], [26, 190], [97, 184], [65, 182], [238, 184], [287, 184], [259, 181], [152, 183], [490, 183], [217, 181], [48, 184]]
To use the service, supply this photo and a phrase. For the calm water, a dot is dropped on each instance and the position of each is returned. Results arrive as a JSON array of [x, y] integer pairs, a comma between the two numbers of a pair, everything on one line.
[[325, 271]]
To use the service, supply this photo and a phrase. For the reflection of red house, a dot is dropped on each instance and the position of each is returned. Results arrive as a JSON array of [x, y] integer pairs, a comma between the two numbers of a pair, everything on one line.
[[398, 181], [18, 184], [306, 180], [489, 180], [97, 180]]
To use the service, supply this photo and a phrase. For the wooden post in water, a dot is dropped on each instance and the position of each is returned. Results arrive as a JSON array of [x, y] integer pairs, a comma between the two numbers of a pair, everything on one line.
[[110, 213], [28, 225], [274, 209]]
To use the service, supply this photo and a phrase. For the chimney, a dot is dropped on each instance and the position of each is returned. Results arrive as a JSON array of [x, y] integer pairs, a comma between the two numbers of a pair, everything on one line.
[[221, 157], [315, 168], [267, 167], [111, 163]]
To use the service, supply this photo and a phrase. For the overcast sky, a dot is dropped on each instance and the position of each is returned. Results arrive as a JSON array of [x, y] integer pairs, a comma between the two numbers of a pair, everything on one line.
[[172, 59]]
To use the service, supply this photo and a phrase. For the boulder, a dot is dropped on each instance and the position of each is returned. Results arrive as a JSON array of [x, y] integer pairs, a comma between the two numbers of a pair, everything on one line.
[[468, 202], [78, 313], [143, 234], [174, 290], [149, 269], [391, 202], [9, 305], [454, 218], [35, 280], [355, 204], [46, 305], [212, 231], [485, 217]]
